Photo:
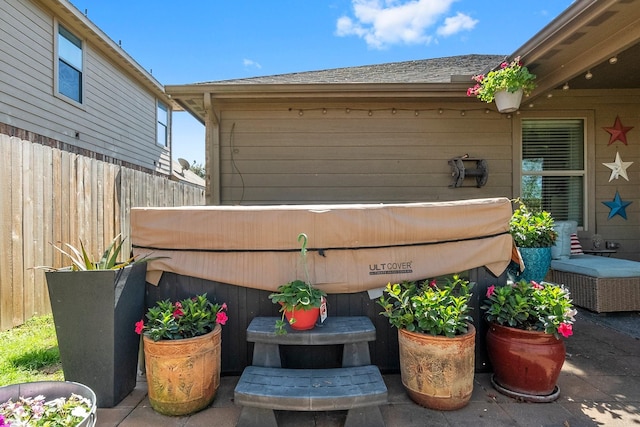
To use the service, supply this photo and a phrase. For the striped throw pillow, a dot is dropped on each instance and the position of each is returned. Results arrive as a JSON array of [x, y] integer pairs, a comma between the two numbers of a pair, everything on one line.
[[576, 247]]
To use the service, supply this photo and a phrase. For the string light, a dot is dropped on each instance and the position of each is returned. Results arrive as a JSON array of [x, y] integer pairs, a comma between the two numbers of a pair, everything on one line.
[[396, 111], [588, 76], [566, 86], [613, 60]]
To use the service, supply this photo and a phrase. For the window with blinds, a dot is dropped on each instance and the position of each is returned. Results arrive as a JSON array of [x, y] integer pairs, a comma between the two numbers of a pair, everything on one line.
[[553, 167]]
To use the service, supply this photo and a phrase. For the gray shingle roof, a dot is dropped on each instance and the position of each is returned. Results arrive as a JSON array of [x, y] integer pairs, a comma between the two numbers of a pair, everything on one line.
[[436, 70]]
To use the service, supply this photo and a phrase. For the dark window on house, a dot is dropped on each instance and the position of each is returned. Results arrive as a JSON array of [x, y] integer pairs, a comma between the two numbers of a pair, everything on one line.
[[553, 167], [163, 125], [69, 65]]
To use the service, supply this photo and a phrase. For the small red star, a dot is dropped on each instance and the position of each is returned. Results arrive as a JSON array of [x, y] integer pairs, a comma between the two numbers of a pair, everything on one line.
[[618, 132]]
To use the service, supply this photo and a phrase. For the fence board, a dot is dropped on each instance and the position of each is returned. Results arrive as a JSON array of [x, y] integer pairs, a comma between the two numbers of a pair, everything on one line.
[[6, 281], [16, 231], [52, 196], [28, 217]]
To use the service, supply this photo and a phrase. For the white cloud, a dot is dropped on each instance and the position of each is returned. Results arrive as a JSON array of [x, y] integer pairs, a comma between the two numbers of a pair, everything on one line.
[[251, 63], [382, 23], [455, 24]]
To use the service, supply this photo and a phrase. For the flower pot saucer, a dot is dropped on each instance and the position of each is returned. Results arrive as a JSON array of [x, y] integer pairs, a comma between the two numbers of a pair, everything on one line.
[[532, 398]]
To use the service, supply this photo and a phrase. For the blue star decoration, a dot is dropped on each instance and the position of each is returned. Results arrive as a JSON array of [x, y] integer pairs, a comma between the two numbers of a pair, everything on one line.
[[617, 207]]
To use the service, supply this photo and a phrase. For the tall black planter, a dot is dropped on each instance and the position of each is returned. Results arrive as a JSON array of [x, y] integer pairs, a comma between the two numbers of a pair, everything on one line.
[[94, 314]]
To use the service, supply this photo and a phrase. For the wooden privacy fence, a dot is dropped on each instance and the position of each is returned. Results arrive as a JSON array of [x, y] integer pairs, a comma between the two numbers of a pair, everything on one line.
[[52, 196]]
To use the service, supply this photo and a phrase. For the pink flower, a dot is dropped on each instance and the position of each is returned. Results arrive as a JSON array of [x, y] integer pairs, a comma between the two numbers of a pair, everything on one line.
[[224, 306], [139, 327], [177, 313], [490, 290], [536, 285], [504, 65], [565, 329], [222, 318]]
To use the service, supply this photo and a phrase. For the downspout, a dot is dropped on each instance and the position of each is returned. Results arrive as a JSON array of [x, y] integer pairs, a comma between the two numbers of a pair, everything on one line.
[[212, 152]]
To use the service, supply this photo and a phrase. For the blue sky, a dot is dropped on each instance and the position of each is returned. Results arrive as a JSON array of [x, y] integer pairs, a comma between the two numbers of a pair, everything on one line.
[[183, 42]]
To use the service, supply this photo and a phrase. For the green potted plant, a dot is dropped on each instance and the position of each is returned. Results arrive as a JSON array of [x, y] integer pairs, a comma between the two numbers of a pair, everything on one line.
[[182, 343], [526, 320], [534, 234], [506, 85], [299, 301], [436, 340], [94, 302]]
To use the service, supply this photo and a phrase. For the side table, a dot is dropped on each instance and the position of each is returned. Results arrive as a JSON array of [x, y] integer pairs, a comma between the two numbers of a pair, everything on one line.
[[600, 252]]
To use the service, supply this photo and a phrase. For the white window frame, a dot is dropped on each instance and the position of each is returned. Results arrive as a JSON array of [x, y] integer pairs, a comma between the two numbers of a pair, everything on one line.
[[56, 68], [589, 157]]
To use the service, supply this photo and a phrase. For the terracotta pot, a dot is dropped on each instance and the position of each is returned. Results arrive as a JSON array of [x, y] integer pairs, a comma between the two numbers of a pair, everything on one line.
[[437, 371], [305, 319], [508, 102], [183, 376], [526, 362]]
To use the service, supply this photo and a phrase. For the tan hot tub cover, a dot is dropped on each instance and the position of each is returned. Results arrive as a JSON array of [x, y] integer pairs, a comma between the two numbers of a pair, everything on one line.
[[351, 248]]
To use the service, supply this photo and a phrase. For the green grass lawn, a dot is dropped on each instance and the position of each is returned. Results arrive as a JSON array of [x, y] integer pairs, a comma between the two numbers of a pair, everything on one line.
[[30, 353]]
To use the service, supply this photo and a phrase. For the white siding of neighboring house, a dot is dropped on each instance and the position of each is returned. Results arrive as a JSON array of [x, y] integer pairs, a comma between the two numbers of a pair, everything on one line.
[[118, 115]]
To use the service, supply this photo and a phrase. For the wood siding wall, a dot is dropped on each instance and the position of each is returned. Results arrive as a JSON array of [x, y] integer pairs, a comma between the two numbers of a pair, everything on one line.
[[117, 117], [51, 196], [358, 152]]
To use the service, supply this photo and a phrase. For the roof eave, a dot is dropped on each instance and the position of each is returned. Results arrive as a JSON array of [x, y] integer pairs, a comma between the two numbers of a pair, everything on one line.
[[323, 90], [551, 52]]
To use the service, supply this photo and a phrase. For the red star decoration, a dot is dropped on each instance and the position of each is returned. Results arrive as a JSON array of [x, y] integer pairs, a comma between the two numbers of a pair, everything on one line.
[[618, 132]]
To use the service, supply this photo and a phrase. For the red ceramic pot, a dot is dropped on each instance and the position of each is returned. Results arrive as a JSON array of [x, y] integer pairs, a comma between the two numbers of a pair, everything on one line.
[[526, 362], [305, 319]]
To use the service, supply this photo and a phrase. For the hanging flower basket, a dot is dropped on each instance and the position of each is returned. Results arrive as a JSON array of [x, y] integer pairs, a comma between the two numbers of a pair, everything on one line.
[[508, 102], [511, 80]]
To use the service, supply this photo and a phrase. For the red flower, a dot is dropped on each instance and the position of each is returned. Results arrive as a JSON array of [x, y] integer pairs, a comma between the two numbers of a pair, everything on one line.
[[177, 313], [221, 318], [536, 285], [490, 290], [139, 327], [565, 329]]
